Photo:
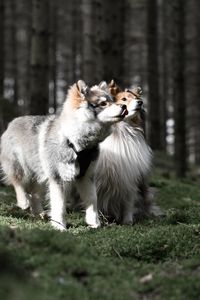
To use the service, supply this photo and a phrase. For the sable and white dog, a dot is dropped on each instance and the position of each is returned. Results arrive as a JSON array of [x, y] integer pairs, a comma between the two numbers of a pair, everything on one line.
[[57, 152], [124, 165]]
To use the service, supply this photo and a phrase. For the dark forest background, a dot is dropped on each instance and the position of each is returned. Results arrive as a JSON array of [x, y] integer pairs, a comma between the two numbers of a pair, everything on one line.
[[45, 46]]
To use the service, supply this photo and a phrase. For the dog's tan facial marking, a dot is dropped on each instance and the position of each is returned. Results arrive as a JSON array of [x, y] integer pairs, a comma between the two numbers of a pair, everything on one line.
[[124, 98]]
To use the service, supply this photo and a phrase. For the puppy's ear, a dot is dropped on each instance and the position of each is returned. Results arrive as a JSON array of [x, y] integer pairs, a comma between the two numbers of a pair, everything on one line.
[[114, 88], [103, 86], [82, 87]]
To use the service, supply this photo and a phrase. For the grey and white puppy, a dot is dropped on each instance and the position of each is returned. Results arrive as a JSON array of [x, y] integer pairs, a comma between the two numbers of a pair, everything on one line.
[[58, 152]]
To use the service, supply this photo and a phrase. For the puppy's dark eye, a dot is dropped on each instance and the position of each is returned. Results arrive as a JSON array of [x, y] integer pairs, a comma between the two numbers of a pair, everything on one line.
[[124, 99], [104, 103]]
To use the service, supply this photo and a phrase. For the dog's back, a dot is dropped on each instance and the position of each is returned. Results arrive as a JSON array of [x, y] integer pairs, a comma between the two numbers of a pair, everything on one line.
[[19, 148]]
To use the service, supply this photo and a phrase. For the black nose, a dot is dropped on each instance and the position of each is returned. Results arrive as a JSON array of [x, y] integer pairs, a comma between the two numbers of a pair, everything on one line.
[[140, 102], [123, 106]]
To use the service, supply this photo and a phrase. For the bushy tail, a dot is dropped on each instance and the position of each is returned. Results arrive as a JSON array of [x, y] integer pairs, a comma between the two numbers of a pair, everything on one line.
[[2, 175]]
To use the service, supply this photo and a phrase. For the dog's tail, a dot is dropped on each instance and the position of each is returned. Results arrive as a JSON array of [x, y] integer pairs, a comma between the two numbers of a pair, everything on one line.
[[2, 175], [146, 205]]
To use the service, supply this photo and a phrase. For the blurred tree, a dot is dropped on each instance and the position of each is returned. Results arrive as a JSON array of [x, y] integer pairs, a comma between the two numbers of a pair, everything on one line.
[[1, 62], [135, 53], [154, 109], [39, 57], [197, 85], [88, 50], [14, 47], [103, 40], [163, 68], [111, 41], [193, 79], [77, 41], [53, 44], [179, 96], [1, 49], [23, 44]]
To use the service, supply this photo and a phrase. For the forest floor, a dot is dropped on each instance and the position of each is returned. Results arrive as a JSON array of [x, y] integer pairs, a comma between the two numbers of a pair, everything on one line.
[[154, 259]]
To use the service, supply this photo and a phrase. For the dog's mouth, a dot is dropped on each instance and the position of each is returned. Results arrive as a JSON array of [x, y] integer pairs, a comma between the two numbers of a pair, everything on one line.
[[124, 113]]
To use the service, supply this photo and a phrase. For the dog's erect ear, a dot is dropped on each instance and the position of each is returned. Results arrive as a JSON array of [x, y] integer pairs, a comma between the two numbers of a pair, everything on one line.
[[82, 87], [114, 88], [137, 92], [103, 86]]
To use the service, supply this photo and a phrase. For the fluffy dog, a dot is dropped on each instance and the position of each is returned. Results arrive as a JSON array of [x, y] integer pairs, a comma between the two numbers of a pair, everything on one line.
[[59, 151], [124, 164]]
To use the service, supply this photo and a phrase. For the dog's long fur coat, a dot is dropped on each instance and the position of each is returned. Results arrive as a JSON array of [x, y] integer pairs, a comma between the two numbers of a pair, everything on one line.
[[124, 165]]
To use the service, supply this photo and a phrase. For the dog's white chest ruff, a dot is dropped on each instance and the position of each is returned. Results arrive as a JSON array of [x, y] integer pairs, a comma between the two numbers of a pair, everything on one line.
[[125, 154]]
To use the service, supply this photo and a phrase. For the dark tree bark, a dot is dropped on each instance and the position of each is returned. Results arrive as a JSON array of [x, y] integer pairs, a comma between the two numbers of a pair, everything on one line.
[[103, 40], [77, 41], [163, 70], [53, 53], [112, 43], [1, 62], [135, 53], [14, 54], [196, 86], [179, 87], [23, 40], [153, 76], [39, 57], [88, 53], [1, 48]]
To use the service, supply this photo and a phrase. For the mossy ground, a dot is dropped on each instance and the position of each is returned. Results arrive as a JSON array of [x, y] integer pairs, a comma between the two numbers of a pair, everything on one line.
[[154, 259]]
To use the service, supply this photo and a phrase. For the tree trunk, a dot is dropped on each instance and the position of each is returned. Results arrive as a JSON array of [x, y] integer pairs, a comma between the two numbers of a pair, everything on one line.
[[39, 57], [1, 49], [77, 41], [89, 59], [23, 40], [154, 130], [1, 63], [197, 83], [135, 52], [163, 63], [14, 55], [179, 87], [53, 54], [112, 43]]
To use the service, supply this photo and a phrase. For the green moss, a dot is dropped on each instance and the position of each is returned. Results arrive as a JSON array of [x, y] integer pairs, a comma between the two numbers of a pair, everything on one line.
[[154, 259]]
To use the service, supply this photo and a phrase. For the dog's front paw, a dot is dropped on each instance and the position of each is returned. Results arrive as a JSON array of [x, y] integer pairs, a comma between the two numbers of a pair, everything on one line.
[[58, 226], [95, 225], [128, 219], [92, 220]]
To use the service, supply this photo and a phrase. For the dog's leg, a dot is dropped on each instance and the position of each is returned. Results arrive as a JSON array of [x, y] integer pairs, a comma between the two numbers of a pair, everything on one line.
[[58, 206], [87, 191], [22, 199], [37, 194], [127, 215]]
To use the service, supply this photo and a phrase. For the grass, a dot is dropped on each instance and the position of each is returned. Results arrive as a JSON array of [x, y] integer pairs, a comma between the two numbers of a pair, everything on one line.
[[154, 259]]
